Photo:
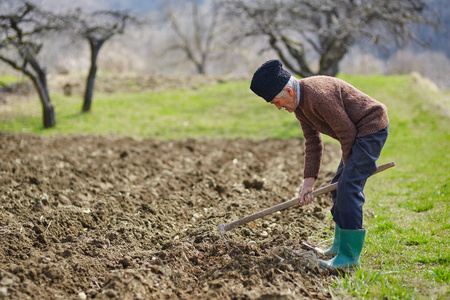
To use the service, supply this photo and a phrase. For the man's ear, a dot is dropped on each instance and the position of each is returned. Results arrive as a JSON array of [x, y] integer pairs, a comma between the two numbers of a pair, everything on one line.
[[289, 91]]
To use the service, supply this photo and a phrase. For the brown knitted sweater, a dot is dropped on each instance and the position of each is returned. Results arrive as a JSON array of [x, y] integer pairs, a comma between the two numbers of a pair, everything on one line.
[[333, 107]]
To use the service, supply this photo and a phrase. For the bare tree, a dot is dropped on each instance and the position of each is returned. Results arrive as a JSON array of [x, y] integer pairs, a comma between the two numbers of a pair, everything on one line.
[[309, 32], [196, 25], [21, 30], [97, 28]]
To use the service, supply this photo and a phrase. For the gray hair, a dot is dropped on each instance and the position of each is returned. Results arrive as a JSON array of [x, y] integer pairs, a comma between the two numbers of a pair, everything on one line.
[[292, 83]]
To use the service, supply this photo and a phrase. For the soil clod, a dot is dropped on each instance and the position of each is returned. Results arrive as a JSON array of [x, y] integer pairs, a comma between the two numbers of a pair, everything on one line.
[[88, 217]]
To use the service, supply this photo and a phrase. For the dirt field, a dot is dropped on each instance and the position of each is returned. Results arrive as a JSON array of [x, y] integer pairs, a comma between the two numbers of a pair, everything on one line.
[[107, 218]]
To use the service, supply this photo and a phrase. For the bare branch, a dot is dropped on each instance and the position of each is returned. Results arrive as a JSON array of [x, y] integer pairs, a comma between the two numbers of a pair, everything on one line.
[[299, 30], [196, 33], [19, 47]]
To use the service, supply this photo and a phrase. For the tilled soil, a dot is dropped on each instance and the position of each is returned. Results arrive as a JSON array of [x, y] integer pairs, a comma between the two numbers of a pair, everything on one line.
[[88, 217]]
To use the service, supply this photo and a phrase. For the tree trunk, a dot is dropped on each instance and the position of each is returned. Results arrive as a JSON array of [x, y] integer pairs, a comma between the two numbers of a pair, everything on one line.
[[47, 108], [40, 83], [90, 82], [49, 115], [201, 69]]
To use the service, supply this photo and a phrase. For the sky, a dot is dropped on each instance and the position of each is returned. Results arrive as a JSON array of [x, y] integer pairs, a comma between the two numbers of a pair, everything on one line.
[[137, 6]]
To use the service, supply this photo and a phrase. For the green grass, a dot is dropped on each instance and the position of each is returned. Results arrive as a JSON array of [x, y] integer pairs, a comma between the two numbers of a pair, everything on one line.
[[408, 238], [7, 79], [407, 250], [225, 110]]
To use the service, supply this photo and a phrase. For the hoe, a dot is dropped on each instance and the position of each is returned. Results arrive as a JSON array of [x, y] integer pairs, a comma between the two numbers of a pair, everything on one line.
[[223, 228]]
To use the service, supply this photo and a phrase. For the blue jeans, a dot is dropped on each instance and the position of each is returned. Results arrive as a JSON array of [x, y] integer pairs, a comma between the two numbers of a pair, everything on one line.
[[348, 198]]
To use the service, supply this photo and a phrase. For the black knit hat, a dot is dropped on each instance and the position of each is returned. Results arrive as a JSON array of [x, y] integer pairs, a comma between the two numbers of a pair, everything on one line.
[[269, 79]]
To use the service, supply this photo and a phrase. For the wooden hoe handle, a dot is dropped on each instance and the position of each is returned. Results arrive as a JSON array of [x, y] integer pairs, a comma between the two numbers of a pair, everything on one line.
[[225, 227]]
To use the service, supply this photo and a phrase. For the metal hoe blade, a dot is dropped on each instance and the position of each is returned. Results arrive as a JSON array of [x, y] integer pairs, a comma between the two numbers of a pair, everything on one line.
[[222, 231]]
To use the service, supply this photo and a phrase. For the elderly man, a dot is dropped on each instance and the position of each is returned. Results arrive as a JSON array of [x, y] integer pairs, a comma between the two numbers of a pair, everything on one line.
[[333, 107]]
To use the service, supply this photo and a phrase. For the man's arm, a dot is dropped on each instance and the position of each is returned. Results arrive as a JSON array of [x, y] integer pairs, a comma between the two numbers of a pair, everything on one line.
[[313, 147]]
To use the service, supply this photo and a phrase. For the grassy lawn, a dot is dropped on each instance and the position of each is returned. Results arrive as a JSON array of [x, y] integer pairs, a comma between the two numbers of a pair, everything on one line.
[[225, 110], [407, 250], [7, 79]]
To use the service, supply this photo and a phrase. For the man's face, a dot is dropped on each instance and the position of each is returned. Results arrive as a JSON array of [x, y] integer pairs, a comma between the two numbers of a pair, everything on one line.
[[285, 99]]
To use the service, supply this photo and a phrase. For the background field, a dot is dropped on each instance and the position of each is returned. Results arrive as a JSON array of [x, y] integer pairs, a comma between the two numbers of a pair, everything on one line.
[[407, 250]]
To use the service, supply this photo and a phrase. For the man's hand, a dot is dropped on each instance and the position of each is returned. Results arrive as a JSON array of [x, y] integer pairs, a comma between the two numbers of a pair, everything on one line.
[[308, 187]]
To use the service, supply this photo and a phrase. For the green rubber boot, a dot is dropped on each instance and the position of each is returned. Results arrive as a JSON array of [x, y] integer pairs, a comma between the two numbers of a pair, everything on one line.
[[334, 247], [350, 246]]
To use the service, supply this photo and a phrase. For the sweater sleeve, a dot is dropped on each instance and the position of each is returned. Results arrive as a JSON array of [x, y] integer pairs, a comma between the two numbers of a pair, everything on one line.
[[313, 149]]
